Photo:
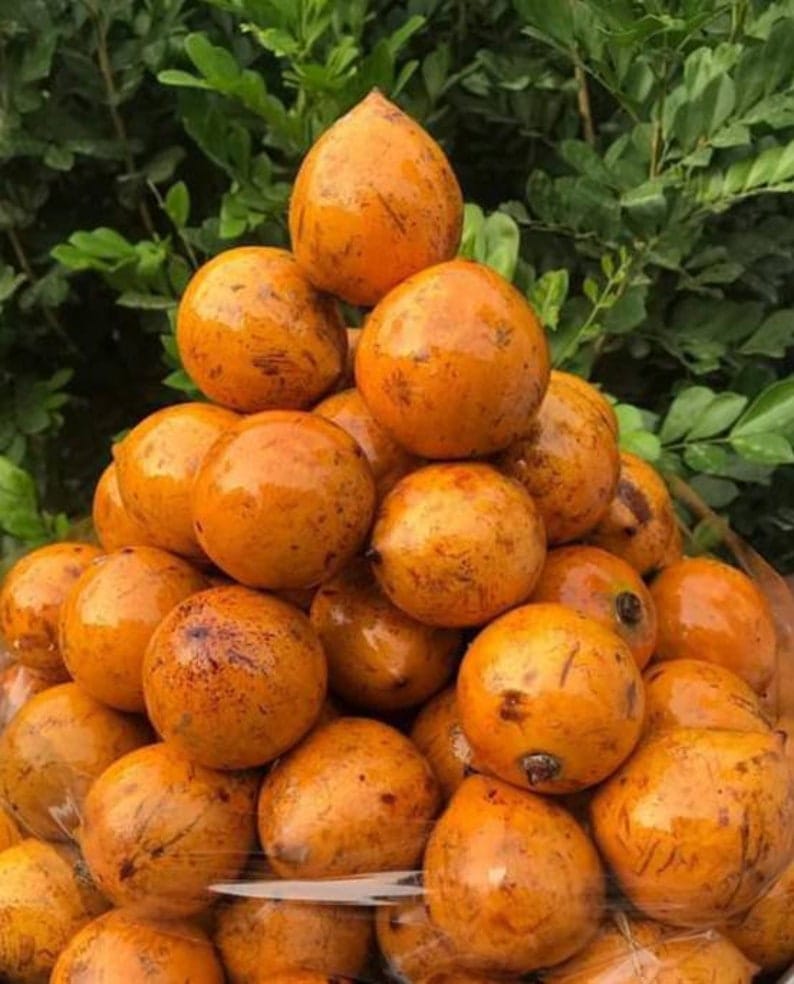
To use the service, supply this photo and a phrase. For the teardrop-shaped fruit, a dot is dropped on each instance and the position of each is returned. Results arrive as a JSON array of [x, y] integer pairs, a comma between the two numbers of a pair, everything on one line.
[[592, 394], [114, 525], [375, 201], [765, 933], [254, 334], [453, 363]]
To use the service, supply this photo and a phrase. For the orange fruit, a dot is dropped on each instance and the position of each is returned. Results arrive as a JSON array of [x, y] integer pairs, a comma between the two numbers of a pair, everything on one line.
[[411, 945], [592, 394], [438, 735], [18, 684], [765, 933], [9, 831], [115, 527]]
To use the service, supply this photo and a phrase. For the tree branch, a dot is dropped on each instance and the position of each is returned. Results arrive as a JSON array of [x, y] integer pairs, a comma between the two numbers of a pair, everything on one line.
[[583, 98]]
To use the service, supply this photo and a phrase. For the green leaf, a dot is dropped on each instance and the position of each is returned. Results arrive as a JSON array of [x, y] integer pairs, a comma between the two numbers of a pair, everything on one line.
[[180, 380], [709, 458], [184, 80], [629, 418], [177, 204], [773, 337], [145, 302], [764, 448], [685, 410], [547, 296], [771, 412], [642, 443], [718, 492], [19, 510], [502, 240], [718, 416]]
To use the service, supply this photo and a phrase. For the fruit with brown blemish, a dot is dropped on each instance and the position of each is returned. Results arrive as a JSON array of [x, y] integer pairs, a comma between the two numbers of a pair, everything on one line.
[[592, 394], [284, 500], [254, 334], [438, 734], [9, 831], [18, 684], [453, 363], [411, 945], [456, 544], [765, 933], [115, 527]]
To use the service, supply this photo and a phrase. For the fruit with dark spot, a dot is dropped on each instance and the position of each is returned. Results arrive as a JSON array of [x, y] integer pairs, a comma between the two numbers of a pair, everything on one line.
[[438, 734], [765, 933], [114, 525], [411, 945], [591, 393]]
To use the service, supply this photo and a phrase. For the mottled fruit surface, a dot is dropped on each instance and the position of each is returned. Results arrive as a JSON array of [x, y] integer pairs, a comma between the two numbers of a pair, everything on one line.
[[412, 946], [115, 527], [9, 831], [18, 684], [591, 393], [765, 933], [438, 734]]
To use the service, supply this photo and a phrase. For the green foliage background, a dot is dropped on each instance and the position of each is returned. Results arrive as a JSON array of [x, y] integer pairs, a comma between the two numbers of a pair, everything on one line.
[[629, 164]]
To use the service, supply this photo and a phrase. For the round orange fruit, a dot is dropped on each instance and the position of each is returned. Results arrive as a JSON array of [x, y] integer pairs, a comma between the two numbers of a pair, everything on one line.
[[115, 527]]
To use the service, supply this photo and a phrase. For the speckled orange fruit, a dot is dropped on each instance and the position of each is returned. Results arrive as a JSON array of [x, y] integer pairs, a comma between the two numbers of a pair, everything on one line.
[[709, 610], [606, 589], [568, 461], [355, 797], [765, 933], [697, 823], [253, 333], [511, 879], [52, 751], [456, 544], [388, 461], [301, 977], [122, 947], [453, 362], [438, 734], [375, 200], [9, 831], [591, 393], [550, 699], [156, 466], [114, 526], [379, 658], [18, 684], [284, 500], [234, 678], [31, 597], [640, 524], [411, 945], [110, 615]]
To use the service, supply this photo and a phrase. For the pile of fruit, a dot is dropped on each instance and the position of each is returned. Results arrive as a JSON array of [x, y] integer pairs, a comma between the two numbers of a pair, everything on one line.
[[392, 600]]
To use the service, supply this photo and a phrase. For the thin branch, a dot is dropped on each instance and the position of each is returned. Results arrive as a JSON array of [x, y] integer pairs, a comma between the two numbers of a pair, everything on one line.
[[180, 232], [583, 99], [25, 265]]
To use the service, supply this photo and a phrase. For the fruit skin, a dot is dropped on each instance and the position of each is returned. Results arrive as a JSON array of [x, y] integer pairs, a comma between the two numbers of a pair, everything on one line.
[[453, 363], [765, 933], [592, 394], [283, 500], [302, 977], [234, 678], [606, 589], [31, 597], [114, 526], [550, 699], [355, 797], [511, 879], [375, 200], [379, 658], [640, 524], [156, 466], [120, 947], [158, 830], [697, 823], [45, 898], [52, 751], [438, 735], [411, 945], [691, 693], [9, 832], [568, 461], [456, 544], [708, 610], [253, 333], [110, 614], [18, 684]]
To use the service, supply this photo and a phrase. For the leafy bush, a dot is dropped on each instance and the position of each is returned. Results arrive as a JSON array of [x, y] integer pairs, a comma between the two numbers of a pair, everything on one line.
[[632, 164]]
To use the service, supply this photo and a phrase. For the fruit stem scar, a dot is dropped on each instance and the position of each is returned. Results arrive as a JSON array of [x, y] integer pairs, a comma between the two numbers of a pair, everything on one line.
[[628, 607], [540, 767], [373, 555]]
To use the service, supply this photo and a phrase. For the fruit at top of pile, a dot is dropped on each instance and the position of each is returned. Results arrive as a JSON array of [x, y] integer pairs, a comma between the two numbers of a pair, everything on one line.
[[234, 678], [691, 693], [411, 945], [283, 500], [505, 906], [453, 363], [605, 588], [379, 658], [765, 933], [158, 830], [45, 898], [18, 684], [156, 465], [122, 947], [9, 832], [640, 524], [591, 393], [697, 823], [456, 544], [567, 459], [709, 610], [550, 699], [254, 334], [388, 461], [110, 615], [354, 797], [438, 734], [31, 597], [375, 200], [115, 527]]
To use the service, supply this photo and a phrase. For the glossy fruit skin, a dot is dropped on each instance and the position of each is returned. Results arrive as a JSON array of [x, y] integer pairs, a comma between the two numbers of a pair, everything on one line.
[[697, 823], [765, 933], [52, 751], [158, 830], [284, 500], [549, 699], [379, 658], [31, 597], [375, 200], [121, 947], [18, 684], [114, 526], [355, 797], [606, 589], [505, 907], [389, 462], [253, 333], [234, 678], [591, 393], [411, 945], [156, 466], [711, 611], [453, 363], [9, 831], [254, 934], [438, 734], [691, 693], [302, 977], [456, 544], [110, 615], [567, 460]]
